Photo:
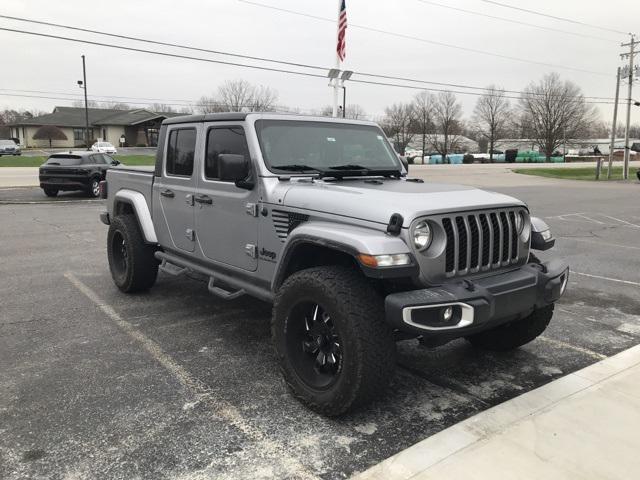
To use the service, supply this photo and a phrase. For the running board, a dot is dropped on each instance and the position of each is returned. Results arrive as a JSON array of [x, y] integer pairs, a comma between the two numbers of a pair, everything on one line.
[[177, 265], [222, 293], [172, 269]]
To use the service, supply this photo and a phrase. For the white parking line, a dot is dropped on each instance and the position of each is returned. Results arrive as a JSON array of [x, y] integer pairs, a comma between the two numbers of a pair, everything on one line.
[[622, 221], [200, 390], [600, 277], [603, 243], [560, 343]]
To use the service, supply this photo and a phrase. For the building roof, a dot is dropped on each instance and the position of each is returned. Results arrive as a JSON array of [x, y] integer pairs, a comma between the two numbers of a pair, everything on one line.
[[75, 117]]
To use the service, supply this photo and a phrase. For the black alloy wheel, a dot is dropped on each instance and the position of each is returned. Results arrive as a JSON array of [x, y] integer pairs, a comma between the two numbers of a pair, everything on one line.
[[313, 343]]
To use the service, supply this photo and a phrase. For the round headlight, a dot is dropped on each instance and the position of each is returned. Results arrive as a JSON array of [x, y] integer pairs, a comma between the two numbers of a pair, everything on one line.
[[520, 221], [422, 236]]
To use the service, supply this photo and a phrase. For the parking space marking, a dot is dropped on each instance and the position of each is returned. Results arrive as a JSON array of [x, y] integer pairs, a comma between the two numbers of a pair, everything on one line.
[[603, 243], [621, 221], [199, 389], [560, 343], [600, 277]]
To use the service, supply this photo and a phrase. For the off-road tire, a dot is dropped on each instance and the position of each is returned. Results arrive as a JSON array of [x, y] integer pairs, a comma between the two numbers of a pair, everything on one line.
[[357, 311], [51, 192], [139, 271]]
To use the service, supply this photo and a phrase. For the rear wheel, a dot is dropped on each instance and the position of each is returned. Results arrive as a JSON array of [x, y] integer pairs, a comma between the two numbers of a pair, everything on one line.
[[335, 349], [50, 192], [94, 187], [131, 261]]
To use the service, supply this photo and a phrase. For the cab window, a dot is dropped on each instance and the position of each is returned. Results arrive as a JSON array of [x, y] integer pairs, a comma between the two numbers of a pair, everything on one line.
[[181, 152], [223, 140]]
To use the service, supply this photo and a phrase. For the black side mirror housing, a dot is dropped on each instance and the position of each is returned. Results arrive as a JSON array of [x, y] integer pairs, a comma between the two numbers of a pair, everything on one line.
[[237, 169], [115, 163]]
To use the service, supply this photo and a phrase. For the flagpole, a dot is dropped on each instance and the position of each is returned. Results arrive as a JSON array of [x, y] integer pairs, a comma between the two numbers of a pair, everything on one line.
[[335, 80]]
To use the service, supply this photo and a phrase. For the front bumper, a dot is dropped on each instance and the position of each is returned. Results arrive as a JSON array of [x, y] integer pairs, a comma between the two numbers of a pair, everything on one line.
[[477, 304]]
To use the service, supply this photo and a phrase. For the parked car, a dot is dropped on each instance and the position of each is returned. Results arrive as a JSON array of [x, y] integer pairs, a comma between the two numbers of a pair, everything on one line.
[[317, 216], [9, 147], [104, 147], [74, 171]]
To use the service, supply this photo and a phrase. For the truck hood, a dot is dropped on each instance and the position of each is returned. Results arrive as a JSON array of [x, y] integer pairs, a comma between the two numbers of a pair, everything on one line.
[[376, 202]]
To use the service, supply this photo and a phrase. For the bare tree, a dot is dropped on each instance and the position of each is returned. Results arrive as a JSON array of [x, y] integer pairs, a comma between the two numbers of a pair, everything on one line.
[[239, 96], [492, 116], [423, 110], [398, 124], [161, 108], [263, 99], [556, 111], [90, 104], [210, 105], [115, 105], [355, 111], [447, 113]]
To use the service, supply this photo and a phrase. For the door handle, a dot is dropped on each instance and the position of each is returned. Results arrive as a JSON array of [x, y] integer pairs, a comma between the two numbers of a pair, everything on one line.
[[167, 193], [204, 199]]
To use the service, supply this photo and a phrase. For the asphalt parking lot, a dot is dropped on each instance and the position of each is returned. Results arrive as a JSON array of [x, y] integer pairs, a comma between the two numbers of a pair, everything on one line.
[[178, 384]]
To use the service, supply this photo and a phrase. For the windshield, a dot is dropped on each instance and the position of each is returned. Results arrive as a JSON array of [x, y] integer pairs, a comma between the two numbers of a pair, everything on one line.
[[323, 146], [64, 160], [104, 144], [8, 143]]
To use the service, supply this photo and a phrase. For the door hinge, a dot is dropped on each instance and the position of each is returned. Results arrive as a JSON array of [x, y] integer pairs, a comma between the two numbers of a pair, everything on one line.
[[252, 209], [251, 250], [190, 234], [189, 199]]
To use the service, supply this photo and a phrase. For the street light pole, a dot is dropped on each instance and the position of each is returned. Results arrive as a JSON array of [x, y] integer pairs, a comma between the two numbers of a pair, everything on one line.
[[632, 44], [344, 101], [86, 104], [615, 126]]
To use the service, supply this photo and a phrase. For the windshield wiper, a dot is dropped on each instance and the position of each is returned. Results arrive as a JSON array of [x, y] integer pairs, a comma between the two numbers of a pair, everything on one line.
[[294, 167], [349, 166]]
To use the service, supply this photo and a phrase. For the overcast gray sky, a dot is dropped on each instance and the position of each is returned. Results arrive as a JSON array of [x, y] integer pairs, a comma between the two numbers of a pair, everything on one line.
[[31, 63]]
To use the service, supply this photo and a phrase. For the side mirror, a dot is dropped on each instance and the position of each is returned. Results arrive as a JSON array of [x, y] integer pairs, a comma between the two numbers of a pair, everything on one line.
[[405, 162], [235, 168], [115, 163]]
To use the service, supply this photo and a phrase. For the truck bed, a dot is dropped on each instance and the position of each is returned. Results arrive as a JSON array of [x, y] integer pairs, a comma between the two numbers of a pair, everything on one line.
[[138, 179]]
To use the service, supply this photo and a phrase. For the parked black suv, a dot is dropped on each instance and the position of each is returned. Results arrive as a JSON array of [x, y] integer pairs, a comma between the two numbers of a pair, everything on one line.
[[74, 171]]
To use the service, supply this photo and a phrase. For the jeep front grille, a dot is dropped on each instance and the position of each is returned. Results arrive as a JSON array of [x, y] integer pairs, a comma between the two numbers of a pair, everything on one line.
[[284, 222], [480, 241]]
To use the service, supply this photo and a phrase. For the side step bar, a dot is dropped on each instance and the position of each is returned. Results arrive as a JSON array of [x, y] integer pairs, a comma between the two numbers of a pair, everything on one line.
[[176, 265]]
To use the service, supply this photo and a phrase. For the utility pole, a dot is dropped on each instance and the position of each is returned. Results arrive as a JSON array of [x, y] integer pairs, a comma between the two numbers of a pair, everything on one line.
[[86, 104], [632, 44], [615, 126]]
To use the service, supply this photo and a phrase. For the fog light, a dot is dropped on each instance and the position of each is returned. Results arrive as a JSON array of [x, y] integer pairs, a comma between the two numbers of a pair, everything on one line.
[[447, 313]]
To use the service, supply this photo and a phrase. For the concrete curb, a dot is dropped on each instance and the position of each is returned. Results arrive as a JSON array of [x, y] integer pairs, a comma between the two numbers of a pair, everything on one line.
[[438, 447]]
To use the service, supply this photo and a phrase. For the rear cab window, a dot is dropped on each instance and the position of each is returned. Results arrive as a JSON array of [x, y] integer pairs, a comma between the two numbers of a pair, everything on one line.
[[181, 149]]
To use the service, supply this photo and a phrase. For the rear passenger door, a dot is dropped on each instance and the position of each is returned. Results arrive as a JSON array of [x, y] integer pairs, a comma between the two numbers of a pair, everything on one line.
[[226, 216], [173, 192]]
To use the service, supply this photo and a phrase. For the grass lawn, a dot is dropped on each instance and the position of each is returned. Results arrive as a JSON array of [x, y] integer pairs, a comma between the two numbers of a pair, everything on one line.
[[586, 173], [22, 161]]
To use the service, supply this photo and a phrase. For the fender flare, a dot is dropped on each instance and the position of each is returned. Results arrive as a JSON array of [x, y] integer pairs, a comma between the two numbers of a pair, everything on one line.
[[141, 209], [347, 239]]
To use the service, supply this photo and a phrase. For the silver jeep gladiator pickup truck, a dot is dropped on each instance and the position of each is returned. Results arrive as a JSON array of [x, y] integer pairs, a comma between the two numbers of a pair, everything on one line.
[[318, 217]]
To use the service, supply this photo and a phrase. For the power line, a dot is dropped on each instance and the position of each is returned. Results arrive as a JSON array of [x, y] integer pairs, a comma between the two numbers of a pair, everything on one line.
[[555, 17], [425, 40], [165, 54], [105, 97], [517, 22], [271, 60]]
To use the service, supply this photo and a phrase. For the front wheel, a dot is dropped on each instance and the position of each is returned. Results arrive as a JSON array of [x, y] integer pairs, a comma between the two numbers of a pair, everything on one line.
[[131, 261], [50, 192], [335, 349]]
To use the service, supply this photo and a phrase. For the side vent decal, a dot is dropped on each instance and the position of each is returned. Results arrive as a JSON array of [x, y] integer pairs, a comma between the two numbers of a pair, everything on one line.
[[284, 222]]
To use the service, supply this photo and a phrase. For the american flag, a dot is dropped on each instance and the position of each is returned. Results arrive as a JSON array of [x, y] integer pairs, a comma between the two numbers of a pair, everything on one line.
[[342, 30]]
